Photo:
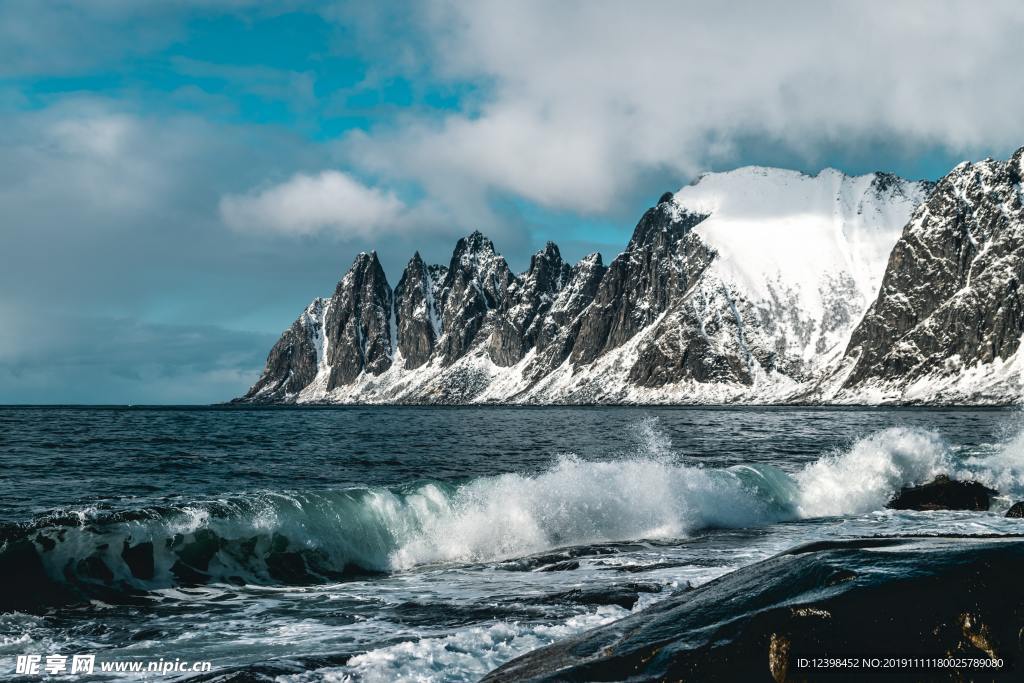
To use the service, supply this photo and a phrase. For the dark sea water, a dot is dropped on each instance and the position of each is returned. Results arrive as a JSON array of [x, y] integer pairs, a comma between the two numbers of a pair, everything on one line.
[[384, 544]]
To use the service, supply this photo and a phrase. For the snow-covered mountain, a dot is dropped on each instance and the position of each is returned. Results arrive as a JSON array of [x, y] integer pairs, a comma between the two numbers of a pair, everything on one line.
[[743, 286], [947, 323], [808, 253]]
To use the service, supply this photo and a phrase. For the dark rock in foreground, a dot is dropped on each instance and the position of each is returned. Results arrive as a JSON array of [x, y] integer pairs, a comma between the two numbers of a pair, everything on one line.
[[624, 595], [943, 494], [1016, 510], [862, 599]]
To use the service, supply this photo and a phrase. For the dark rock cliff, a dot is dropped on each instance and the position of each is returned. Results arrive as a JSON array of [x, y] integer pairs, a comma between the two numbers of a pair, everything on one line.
[[859, 598], [662, 260], [475, 287], [294, 359], [951, 295], [417, 318], [358, 323], [529, 301]]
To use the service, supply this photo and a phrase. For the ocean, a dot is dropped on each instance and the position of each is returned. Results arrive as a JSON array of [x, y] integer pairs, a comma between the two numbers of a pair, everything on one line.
[[430, 543]]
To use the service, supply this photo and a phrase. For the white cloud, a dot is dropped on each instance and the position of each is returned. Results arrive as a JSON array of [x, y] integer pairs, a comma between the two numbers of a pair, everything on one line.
[[307, 204], [580, 99]]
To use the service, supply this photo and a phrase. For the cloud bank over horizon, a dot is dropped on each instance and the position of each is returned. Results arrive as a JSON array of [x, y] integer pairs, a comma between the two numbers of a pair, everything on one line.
[[195, 165], [581, 99]]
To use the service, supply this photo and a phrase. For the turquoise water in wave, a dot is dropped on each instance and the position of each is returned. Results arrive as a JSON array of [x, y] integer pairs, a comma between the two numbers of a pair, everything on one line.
[[431, 543]]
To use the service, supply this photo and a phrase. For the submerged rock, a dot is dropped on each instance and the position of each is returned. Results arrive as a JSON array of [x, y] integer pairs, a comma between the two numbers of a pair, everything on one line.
[[624, 595], [139, 559], [943, 493], [1016, 510], [567, 566], [865, 598]]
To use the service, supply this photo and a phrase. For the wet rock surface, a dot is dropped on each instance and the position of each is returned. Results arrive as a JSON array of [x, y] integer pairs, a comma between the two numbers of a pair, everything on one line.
[[943, 493], [880, 597]]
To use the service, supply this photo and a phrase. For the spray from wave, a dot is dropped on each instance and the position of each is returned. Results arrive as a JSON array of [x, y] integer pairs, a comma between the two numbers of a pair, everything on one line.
[[309, 537], [866, 477]]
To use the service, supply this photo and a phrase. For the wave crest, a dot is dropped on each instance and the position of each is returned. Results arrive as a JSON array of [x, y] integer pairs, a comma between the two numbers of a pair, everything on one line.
[[865, 477], [318, 536]]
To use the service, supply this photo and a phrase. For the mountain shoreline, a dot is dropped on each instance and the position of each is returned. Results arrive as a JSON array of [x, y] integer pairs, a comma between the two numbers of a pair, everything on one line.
[[751, 287], [241, 402]]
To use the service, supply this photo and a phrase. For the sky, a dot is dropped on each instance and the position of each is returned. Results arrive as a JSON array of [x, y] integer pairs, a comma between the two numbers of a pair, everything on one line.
[[179, 178]]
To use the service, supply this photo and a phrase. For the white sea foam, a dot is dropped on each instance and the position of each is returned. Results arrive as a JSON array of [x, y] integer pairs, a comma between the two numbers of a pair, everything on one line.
[[1003, 470], [577, 502], [464, 655], [651, 494], [654, 495], [865, 477]]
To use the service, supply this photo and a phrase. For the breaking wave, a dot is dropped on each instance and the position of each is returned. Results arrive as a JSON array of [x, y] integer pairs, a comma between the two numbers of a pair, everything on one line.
[[865, 477], [320, 536]]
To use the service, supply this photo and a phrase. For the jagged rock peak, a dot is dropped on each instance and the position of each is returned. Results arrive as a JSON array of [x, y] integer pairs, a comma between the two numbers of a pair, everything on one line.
[[470, 249], [417, 315], [477, 282], [744, 285], [475, 258], [556, 331], [590, 261], [416, 265], [888, 184], [293, 361], [662, 261], [1017, 158], [550, 250], [547, 274], [667, 217], [361, 264], [358, 323], [548, 269]]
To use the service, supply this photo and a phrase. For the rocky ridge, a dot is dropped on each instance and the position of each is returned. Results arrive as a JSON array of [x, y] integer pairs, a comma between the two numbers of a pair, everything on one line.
[[747, 286]]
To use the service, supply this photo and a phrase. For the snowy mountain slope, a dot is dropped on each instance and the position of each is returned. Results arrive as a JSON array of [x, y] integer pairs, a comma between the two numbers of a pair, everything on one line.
[[948, 320], [794, 261], [807, 252], [744, 286]]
